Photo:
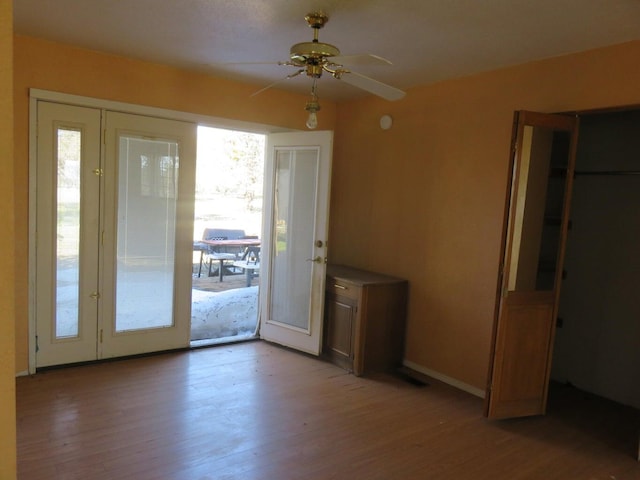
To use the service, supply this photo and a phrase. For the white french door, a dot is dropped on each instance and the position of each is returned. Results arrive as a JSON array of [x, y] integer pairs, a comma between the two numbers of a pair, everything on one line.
[[67, 233], [146, 253], [114, 209], [294, 238]]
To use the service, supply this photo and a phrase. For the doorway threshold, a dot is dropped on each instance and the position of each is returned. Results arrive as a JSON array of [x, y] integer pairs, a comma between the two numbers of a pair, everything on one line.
[[212, 342]]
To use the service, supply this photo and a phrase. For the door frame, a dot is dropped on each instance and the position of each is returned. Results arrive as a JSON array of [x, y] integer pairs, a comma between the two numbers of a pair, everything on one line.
[[36, 95]]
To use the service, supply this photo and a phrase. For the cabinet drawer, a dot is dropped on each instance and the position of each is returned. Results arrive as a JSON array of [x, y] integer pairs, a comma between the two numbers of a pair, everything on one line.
[[343, 289]]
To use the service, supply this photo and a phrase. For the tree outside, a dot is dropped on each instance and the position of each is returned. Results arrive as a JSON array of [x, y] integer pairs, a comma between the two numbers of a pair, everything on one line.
[[229, 178]]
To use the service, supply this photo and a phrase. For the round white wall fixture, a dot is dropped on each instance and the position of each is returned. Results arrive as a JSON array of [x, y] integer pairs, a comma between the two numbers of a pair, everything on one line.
[[385, 122]]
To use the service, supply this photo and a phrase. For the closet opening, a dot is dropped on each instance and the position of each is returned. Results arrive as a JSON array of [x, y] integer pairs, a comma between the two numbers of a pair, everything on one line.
[[597, 339]]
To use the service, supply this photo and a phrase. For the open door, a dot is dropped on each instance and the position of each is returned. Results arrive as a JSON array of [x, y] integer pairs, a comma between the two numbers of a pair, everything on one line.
[[294, 238], [531, 270]]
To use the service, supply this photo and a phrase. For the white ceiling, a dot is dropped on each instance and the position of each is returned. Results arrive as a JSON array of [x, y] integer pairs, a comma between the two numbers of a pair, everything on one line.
[[427, 40]]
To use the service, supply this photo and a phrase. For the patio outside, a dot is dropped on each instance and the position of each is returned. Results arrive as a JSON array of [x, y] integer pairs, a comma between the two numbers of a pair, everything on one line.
[[228, 196]]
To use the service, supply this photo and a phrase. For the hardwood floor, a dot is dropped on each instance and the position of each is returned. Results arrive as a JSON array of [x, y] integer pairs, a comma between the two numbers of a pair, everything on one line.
[[258, 411]]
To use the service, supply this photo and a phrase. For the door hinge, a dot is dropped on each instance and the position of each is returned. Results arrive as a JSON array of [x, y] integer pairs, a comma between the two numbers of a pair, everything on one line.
[[98, 172], [101, 336]]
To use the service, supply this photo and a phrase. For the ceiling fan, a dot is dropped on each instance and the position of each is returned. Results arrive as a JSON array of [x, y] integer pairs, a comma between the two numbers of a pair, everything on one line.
[[315, 58]]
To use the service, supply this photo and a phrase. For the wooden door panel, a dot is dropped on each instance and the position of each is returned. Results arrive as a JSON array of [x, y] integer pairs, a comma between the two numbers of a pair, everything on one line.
[[340, 317], [523, 334]]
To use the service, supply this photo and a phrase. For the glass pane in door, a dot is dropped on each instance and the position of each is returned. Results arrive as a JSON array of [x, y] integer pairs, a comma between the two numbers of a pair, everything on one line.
[[68, 154], [296, 175], [147, 198], [538, 211]]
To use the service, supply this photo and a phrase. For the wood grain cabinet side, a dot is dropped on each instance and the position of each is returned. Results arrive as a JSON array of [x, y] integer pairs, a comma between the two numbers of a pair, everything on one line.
[[365, 316]]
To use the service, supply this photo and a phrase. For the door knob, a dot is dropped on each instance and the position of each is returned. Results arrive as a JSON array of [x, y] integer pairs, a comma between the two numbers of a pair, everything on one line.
[[318, 259]]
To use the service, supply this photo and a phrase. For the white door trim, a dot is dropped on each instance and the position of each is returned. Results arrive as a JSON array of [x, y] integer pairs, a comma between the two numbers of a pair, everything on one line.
[[114, 106]]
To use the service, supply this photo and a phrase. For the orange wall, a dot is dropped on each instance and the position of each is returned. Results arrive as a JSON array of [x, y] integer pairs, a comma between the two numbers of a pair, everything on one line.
[[425, 199], [7, 247], [61, 68]]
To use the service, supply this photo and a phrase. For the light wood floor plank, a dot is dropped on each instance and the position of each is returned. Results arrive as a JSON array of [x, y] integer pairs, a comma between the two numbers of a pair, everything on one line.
[[258, 411]]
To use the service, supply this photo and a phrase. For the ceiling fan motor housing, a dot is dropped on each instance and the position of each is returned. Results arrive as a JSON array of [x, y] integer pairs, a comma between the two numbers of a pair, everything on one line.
[[313, 55], [312, 52]]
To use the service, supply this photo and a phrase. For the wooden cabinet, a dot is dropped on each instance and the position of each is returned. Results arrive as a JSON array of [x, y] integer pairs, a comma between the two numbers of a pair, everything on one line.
[[365, 316]]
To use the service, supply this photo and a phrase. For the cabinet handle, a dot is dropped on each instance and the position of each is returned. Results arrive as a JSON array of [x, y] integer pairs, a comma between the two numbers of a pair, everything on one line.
[[341, 287]]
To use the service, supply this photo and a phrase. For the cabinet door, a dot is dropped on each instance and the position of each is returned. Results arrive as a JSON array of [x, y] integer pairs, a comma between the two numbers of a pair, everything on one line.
[[340, 316]]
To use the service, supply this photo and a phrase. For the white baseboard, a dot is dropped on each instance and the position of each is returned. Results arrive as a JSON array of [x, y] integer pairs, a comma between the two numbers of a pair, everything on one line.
[[445, 379], [23, 373]]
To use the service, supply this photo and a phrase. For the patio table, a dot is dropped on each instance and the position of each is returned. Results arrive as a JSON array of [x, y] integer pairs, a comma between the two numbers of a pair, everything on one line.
[[245, 243]]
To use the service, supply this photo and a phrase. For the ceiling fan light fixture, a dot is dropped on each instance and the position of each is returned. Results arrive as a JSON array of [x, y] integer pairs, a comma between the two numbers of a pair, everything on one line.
[[312, 121], [312, 107]]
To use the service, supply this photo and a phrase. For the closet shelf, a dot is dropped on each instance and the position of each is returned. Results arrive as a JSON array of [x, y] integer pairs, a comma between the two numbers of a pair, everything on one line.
[[607, 172]]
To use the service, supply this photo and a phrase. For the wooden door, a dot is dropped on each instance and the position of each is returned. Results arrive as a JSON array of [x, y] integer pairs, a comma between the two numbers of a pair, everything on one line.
[[531, 270]]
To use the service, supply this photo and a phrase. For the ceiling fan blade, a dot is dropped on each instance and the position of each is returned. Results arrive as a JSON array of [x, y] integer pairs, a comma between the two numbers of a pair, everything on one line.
[[223, 64], [279, 81], [245, 63], [370, 85], [364, 59]]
